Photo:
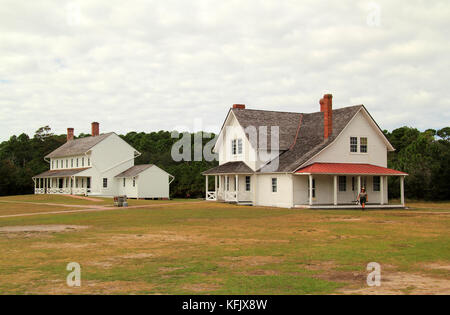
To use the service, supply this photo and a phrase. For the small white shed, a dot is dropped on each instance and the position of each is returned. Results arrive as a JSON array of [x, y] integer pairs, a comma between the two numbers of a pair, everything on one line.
[[144, 181]]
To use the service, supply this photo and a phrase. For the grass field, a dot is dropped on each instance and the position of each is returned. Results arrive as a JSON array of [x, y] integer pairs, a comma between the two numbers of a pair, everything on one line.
[[196, 247]]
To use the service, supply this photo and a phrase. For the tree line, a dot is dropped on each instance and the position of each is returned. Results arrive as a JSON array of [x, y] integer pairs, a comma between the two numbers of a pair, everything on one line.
[[425, 156]]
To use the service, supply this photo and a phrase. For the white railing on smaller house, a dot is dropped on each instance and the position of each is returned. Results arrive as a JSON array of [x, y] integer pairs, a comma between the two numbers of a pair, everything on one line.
[[211, 195], [65, 191], [231, 196]]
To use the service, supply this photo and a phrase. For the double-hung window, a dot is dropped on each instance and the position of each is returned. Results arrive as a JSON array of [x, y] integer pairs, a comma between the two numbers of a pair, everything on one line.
[[234, 146], [247, 183], [124, 180], [239, 146], [105, 183], [353, 144], [363, 145], [342, 183], [376, 183], [274, 184]]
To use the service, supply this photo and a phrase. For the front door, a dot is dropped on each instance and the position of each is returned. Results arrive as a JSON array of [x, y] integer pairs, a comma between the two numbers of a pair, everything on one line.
[[60, 183]]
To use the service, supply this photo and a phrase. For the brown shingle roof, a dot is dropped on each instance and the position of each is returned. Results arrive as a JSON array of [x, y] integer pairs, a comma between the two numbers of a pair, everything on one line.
[[301, 135], [134, 170], [286, 121], [310, 140], [77, 146], [230, 168], [60, 173]]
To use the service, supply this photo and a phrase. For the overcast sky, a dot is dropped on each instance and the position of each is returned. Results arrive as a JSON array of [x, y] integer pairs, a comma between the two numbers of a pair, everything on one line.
[[152, 65]]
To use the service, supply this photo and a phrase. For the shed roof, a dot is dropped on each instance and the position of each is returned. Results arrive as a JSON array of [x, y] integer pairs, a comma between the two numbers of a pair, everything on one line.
[[61, 173], [134, 170]]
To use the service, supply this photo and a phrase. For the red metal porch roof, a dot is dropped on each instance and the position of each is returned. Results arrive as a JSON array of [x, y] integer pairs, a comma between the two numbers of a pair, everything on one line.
[[347, 168]]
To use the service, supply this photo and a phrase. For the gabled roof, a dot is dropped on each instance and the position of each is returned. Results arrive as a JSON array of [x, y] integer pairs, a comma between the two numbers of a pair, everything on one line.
[[78, 146], [237, 167], [347, 168], [134, 170], [310, 139], [61, 173]]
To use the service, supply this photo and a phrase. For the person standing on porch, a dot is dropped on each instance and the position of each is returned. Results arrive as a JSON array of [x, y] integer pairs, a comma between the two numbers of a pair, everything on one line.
[[362, 197]]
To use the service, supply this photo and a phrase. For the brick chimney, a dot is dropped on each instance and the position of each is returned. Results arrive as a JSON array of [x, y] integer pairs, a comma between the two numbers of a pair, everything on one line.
[[239, 106], [95, 129], [326, 106], [69, 134]]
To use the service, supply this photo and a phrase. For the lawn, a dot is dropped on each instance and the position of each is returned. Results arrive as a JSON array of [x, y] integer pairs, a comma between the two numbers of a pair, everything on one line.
[[196, 247]]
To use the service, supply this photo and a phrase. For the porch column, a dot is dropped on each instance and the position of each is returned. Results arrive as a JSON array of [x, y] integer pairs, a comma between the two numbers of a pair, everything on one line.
[[381, 190], [215, 184], [206, 187], [35, 185], [237, 187], [402, 190], [335, 189], [359, 184], [310, 189], [253, 179]]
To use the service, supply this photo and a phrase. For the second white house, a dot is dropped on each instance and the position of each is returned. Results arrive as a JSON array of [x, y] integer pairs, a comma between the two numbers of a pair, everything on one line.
[[102, 165]]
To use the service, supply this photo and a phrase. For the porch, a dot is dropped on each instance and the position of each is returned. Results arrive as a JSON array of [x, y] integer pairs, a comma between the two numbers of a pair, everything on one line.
[[57, 182], [337, 186], [235, 188]]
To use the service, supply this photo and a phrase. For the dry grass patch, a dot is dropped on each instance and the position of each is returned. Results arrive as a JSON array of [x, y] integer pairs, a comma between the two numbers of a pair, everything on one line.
[[41, 228]]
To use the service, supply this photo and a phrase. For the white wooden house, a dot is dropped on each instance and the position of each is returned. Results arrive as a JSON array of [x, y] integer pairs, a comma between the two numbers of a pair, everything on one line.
[[103, 165], [321, 161]]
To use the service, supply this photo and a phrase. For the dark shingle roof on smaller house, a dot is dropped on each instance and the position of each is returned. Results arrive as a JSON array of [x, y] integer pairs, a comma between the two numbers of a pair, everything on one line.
[[238, 167], [134, 170], [77, 146], [60, 173]]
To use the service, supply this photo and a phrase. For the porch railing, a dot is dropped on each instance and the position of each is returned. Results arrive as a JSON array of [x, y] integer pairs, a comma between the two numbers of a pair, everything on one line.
[[211, 195], [65, 191], [231, 196]]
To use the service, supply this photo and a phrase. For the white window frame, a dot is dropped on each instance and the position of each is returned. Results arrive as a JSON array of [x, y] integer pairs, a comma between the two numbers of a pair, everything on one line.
[[239, 146], [353, 144], [274, 183], [367, 144], [379, 183], [234, 147], [339, 183], [248, 184]]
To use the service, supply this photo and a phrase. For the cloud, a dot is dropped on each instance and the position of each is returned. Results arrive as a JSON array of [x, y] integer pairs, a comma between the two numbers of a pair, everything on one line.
[[151, 65]]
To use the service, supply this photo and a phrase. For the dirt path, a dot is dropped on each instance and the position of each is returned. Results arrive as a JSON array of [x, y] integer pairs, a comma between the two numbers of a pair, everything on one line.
[[97, 208], [84, 198]]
